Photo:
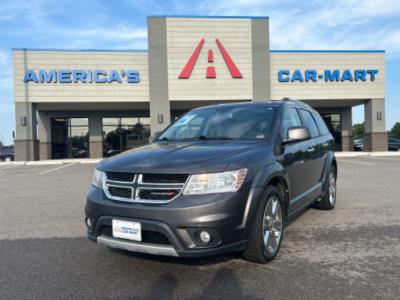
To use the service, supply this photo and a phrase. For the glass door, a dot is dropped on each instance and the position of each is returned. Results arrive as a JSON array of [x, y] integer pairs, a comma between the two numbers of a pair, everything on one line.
[[59, 138], [334, 123], [69, 138], [78, 137]]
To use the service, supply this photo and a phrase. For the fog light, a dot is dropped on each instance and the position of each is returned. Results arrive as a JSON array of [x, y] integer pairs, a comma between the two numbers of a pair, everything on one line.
[[88, 222], [205, 237]]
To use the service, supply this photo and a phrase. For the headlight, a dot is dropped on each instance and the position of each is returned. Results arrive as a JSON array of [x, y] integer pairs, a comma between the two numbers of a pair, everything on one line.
[[98, 178], [215, 182]]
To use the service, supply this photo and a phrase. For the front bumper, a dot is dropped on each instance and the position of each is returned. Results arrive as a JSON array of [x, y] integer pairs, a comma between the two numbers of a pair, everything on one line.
[[171, 229]]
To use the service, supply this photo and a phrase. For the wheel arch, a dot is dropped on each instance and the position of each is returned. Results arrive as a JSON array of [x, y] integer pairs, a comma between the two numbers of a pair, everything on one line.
[[329, 162], [280, 181], [277, 176], [274, 174]]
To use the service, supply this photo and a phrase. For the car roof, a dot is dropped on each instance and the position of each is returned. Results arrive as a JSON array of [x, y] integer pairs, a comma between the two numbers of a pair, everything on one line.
[[276, 103]]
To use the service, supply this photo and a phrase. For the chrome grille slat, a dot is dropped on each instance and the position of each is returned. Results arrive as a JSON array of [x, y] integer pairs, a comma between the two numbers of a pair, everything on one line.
[[163, 179], [137, 186], [177, 184], [114, 176]]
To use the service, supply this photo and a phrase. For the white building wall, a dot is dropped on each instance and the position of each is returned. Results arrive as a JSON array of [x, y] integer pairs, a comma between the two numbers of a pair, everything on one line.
[[321, 61], [183, 35], [80, 92]]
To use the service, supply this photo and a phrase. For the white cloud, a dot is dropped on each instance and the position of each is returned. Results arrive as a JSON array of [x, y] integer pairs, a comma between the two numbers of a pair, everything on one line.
[[41, 19], [320, 24]]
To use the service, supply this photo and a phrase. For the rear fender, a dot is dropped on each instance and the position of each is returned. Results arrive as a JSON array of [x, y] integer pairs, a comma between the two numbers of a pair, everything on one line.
[[329, 162]]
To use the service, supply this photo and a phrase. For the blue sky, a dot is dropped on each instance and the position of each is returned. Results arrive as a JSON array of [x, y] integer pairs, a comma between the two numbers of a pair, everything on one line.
[[314, 24]]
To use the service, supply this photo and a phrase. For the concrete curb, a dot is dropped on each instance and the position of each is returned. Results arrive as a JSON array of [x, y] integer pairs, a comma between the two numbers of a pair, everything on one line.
[[367, 154], [50, 162], [96, 160]]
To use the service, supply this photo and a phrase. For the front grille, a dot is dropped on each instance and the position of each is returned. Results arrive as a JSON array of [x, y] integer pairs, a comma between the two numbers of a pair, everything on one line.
[[144, 188], [157, 194], [119, 176], [151, 237], [120, 192], [164, 178]]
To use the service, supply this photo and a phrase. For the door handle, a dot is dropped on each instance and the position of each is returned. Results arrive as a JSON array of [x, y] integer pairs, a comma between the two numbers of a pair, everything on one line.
[[325, 144], [312, 149]]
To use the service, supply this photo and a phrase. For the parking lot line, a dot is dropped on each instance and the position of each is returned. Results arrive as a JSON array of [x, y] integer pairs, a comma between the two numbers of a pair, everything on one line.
[[10, 167], [55, 169]]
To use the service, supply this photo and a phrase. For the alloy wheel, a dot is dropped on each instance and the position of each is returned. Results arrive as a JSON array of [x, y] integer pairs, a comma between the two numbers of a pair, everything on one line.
[[272, 225], [332, 189]]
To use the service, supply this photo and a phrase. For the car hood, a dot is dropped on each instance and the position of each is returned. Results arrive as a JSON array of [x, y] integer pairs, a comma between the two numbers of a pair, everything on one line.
[[180, 158]]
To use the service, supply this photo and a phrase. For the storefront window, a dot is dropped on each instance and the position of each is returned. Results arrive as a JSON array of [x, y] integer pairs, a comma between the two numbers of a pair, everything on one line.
[[70, 138], [121, 134]]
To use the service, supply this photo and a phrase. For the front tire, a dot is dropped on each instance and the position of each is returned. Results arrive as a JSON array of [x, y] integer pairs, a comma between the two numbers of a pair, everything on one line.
[[267, 230]]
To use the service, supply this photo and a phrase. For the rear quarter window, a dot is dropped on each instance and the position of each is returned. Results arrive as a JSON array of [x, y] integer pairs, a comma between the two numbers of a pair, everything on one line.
[[323, 129]]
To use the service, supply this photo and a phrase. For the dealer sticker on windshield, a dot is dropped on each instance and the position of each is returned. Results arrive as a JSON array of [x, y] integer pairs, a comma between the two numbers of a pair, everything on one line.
[[127, 230]]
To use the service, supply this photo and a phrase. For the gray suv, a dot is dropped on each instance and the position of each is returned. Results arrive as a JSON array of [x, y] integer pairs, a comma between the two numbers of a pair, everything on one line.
[[220, 179]]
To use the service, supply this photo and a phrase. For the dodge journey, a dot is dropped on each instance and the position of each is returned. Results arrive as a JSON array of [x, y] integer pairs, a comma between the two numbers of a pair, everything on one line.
[[219, 179]]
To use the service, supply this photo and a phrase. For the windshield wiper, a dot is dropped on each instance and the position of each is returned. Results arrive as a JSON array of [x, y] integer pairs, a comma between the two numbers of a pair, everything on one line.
[[214, 138]]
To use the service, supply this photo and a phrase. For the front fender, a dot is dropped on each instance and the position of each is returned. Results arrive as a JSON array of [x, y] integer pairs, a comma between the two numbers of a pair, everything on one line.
[[273, 171]]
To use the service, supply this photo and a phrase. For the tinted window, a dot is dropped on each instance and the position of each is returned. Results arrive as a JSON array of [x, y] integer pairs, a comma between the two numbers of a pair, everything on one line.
[[309, 122], [321, 124], [247, 122], [291, 118]]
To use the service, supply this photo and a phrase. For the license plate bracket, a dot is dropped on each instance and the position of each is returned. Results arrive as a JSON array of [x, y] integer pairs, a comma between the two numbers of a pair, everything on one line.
[[127, 230]]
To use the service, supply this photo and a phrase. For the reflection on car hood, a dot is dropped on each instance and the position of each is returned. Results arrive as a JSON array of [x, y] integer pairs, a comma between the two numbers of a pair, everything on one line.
[[173, 157]]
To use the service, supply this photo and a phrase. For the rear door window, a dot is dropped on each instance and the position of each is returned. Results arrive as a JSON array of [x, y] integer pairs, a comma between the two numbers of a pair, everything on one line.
[[309, 122]]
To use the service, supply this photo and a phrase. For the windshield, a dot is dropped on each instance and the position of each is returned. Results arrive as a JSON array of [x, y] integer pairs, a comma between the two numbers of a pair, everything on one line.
[[247, 122]]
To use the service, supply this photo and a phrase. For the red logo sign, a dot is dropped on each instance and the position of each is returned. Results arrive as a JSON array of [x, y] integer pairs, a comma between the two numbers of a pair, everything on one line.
[[210, 72]]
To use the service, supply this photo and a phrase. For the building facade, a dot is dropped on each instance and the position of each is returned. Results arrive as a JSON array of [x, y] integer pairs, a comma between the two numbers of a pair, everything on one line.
[[96, 103]]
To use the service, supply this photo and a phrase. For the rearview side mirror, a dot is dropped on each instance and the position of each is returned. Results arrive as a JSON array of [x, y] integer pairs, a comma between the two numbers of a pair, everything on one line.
[[297, 134]]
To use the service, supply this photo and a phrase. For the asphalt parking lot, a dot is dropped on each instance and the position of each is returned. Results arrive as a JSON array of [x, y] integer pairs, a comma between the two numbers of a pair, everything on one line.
[[350, 252]]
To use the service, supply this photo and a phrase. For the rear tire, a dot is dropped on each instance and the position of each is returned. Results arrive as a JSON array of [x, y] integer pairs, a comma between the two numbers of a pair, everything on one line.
[[328, 201], [267, 229]]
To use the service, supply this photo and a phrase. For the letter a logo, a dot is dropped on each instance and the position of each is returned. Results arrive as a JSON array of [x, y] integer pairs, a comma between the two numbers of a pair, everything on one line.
[[210, 72]]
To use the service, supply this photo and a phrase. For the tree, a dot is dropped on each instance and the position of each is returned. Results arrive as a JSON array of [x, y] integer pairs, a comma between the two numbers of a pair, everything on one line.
[[358, 131], [395, 131], [1, 144]]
